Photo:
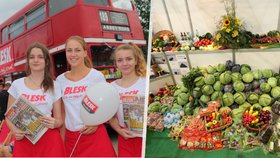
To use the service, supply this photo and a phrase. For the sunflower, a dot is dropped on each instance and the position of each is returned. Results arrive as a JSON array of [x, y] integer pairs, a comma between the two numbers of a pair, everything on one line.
[[226, 22]]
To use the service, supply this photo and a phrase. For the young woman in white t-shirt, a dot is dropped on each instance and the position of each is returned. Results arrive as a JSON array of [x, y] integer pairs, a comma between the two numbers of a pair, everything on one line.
[[39, 88], [130, 61], [94, 140]]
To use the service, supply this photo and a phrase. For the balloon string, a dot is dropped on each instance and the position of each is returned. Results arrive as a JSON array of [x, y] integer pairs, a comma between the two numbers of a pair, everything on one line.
[[75, 145]]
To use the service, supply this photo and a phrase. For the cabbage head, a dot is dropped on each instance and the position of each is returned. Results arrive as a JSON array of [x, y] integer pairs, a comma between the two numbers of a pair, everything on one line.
[[275, 92], [267, 73], [253, 98], [239, 97], [217, 96], [228, 99], [265, 100], [265, 87], [218, 86], [248, 77], [209, 79], [238, 86], [207, 90], [225, 78], [199, 81], [221, 68], [272, 81], [257, 74], [236, 76]]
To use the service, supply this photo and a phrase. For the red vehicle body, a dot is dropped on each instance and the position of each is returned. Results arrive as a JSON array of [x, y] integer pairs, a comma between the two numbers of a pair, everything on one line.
[[103, 24]]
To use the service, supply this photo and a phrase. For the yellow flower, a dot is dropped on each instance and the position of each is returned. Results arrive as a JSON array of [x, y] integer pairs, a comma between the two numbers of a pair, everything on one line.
[[223, 28], [226, 22], [235, 33], [228, 30], [218, 36], [238, 22]]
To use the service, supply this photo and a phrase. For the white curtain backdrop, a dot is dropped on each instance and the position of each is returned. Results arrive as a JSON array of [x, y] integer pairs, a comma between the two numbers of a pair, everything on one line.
[[258, 16]]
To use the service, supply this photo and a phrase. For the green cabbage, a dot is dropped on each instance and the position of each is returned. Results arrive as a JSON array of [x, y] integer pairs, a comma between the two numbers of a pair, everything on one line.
[[267, 73], [183, 98], [218, 86], [245, 69], [275, 92], [272, 81], [257, 106], [217, 96], [221, 68], [253, 98], [225, 78], [228, 99], [209, 79], [205, 99], [211, 69], [199, 81], [248, 77], [238, 86], [257, 74], [207, 90], [265, 100], [236, 76], [196, 92], [239, 97], [265, 87]]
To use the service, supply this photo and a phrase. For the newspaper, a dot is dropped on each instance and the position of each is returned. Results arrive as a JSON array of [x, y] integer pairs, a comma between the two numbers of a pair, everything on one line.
[[25, 117], [133, 110]]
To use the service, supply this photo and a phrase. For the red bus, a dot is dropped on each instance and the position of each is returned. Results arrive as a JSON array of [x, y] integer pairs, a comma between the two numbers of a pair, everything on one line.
[[103, 24]]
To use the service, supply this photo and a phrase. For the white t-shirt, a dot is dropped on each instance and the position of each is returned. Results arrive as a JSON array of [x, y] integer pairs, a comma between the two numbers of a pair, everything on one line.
[[72, 95], [42, 100], [138, 88]]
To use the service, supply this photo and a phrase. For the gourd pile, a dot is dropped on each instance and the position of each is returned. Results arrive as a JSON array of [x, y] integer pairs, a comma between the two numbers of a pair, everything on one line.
[[246, 99]]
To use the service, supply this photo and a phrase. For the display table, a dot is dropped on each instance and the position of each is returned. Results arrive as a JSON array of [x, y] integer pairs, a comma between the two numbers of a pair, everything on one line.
[[160, 145]]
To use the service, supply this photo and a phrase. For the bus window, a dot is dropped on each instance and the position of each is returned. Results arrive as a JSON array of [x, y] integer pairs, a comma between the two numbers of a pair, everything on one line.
[[119, 18], [60, 63], [98, 2], [122, 4], [101, 55], [56, 6], [5, 35], [16, 28], [36, 16]]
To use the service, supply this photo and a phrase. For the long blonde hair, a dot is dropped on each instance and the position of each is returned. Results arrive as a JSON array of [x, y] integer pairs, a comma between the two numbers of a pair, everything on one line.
[[79, 39], [140, 67]]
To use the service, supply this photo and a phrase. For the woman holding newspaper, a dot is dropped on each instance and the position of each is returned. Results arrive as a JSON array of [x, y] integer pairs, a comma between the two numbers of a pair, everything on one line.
[[44, 94], [130, 61], [80, 139]]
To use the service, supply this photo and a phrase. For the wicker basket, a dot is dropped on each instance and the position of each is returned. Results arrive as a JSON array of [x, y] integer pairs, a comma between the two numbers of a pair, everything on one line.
[[218, 128], [256, 130]]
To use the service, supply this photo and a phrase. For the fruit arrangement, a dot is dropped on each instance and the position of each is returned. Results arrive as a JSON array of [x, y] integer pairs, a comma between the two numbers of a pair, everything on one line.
[[217, 121], [255, 119], [203, 42]]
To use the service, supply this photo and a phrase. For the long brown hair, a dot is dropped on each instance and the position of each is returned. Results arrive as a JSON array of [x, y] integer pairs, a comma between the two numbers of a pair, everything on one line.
[[79, 39], [47, 82], [140, 67]]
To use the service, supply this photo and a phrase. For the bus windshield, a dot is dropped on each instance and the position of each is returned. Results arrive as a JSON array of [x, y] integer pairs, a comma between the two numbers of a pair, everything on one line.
[[122, 4]]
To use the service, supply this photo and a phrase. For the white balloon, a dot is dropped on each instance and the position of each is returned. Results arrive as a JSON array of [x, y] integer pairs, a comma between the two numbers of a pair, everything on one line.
[[99, 104]]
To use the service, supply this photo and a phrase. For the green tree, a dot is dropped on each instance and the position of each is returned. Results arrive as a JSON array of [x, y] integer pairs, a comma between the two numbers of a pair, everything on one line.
[[143, 8]]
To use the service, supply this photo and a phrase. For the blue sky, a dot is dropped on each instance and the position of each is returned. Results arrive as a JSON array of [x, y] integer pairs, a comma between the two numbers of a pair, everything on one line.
[[9, 7]]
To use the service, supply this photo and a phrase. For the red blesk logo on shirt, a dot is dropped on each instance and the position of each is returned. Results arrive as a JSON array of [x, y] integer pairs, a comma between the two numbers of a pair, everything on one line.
[[89, 105], [34, 98], [74, 90]]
